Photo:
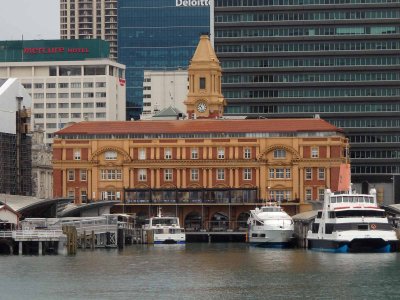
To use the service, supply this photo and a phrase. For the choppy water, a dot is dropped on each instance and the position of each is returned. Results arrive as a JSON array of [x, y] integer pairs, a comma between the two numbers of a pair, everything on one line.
[[201, 271]]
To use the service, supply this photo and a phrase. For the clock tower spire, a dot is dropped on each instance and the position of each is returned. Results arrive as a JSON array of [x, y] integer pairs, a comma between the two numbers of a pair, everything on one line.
[[205, 99]]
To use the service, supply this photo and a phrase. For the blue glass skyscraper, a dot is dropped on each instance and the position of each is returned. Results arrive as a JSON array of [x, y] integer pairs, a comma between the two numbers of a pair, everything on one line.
[[157, 35]]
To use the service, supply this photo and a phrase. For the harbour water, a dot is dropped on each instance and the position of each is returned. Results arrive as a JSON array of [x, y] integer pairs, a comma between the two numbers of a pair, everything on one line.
[[201, 271]]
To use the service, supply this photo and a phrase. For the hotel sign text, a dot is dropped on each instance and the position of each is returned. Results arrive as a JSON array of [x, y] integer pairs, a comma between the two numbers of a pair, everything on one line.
[[54, 50]]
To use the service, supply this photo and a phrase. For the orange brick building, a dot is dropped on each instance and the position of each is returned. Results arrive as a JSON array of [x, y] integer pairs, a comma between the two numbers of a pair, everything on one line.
[[186, 165]]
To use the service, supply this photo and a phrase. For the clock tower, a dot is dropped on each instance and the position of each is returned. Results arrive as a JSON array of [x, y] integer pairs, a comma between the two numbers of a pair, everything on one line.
[[205, 99]]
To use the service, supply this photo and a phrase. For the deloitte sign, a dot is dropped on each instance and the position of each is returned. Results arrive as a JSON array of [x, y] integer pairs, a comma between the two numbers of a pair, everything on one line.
[[193, 2]]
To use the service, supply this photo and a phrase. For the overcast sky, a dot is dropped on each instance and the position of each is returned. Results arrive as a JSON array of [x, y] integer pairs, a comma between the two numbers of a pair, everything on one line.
[[34, 19]]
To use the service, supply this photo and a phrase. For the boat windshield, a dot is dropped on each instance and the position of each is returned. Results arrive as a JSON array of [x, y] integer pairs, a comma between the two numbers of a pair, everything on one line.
[[360, 213], [271, 209], [352, 199], [165, 221]]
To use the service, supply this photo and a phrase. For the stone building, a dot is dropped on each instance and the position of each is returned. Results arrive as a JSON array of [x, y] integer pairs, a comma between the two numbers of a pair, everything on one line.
[[42, 169]]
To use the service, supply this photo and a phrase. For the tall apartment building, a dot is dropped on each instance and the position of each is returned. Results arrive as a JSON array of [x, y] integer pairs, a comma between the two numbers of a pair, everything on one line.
[[335, 58], [90, 19], [157, 35], [69, 80]]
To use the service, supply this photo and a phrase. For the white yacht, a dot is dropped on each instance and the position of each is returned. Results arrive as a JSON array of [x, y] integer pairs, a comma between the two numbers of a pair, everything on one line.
[[164, 230], [270, 226], [351, 222]]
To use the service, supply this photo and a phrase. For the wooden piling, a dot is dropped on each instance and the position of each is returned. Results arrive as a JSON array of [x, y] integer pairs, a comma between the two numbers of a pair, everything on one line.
[[70, 232]]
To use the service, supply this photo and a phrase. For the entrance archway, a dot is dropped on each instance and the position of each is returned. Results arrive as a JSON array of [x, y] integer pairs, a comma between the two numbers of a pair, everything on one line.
[[193, 221], [219, 222]]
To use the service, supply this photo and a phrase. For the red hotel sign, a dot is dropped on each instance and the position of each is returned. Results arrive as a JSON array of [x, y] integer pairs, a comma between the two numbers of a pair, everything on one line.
[[54, 50]]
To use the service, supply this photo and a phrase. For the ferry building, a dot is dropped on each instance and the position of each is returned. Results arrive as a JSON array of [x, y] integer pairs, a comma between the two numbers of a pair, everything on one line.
[[207, 170]]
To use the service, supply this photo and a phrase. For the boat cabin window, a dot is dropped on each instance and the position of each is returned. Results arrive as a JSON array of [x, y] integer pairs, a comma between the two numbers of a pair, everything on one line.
[[329, 228], [360, 213], [339, 199], [271, 209], [319, 215], [254, 235], [333, 200], [332, 215], [165, 221], [262, 235], [315, 227]]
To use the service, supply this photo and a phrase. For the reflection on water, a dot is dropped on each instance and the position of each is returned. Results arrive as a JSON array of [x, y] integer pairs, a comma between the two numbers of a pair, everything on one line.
[[201, 271]]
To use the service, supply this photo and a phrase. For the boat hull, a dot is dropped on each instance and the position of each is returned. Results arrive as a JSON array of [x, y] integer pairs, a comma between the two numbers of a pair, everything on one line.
[[271, 238], [374, 245]]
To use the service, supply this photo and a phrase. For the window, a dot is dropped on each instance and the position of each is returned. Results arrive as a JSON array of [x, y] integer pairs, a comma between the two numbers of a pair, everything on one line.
[[51, 85], [83, 195], [100, 84], [279, 153], [108, 195], [247, 174], [76, 85], [321, 194], [142, 153], [271, 173], [220, 174], [142, 175], [167, 153], [87, 84], [77, 154], [71, 175], [308, 173], [314, 152], [100, 104], [321, 173], [221, 153], [71, 194], [308, 194], [202, 83], [280, 173], [63, 85], [247, 153], [168, 174], [83, 175], [194, 174], [111, 174], [195, 153], [110, 155], [38, 85]]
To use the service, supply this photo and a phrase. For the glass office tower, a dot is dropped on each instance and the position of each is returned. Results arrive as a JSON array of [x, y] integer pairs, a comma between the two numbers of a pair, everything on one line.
[[335, 58], [157, 35]]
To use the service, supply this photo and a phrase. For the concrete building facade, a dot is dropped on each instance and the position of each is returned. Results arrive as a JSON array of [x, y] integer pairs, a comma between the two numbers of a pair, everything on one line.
[[162, 89], [69, 81]]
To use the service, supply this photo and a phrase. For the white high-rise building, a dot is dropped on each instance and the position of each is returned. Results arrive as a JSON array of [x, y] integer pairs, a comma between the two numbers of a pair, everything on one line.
[[90, 19], [162, 89], [68, 80]]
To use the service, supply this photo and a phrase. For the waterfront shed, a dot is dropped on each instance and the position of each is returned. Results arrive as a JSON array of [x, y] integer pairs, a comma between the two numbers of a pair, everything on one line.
[[9, 218]]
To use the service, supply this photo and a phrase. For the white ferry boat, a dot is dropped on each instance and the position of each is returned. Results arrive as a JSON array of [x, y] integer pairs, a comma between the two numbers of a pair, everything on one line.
[[351, 222], [164, 230], [270, 226]]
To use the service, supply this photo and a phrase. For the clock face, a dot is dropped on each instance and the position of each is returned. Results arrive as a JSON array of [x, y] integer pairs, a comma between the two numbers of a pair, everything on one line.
[[201, 107]]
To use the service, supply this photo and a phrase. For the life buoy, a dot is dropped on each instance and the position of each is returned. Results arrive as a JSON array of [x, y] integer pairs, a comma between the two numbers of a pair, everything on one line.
[[373, 226]]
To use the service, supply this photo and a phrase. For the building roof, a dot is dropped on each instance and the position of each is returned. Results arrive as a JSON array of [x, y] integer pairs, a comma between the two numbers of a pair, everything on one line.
[[204, 51], [2, 81], [199, 126], [169, 112]]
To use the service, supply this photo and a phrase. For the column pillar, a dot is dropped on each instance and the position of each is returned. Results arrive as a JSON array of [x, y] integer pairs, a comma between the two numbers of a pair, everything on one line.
[[40, 248], [301, 179], [210, 171], [231, 178], [184, 178], [157, 178], [20, 250]]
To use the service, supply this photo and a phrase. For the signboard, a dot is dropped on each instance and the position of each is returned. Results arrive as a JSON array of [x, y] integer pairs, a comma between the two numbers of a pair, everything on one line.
[[193, 3], [53, 50]]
